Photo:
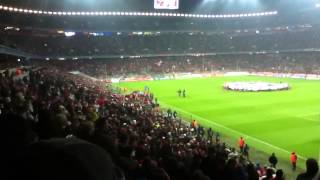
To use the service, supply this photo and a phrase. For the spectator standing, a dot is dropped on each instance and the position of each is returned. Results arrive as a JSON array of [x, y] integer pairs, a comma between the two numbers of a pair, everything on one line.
[[174, 114], [241, 144], [246, 151], [179, 92], [293, 160], [217, 137], [194, 124], [169, 113], [273, 160]]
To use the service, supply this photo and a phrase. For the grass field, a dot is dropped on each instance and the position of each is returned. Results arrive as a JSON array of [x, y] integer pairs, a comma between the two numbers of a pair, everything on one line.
[[280, 122]]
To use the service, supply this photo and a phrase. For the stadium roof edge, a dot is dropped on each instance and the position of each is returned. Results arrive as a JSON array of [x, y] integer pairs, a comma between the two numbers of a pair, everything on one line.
[[130, 13]]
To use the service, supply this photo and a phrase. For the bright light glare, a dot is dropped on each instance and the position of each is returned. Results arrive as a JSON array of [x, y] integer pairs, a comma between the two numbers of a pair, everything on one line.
[[123, 13], [69, 34]]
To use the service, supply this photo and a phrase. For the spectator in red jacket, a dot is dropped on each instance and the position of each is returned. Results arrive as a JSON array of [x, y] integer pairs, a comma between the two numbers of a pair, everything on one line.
[[241, 144], [293, 160]]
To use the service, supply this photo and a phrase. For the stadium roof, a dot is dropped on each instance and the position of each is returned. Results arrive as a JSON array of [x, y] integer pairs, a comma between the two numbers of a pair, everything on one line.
[[186, 6], [113, 15]]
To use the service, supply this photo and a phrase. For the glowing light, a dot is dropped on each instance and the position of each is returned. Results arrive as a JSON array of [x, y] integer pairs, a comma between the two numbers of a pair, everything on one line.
[[123, 13], [69, 34]]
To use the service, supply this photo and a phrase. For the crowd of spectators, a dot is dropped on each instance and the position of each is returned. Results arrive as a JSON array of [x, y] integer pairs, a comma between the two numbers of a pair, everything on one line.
[[44, 114], [142, 142], [305, 63], [128, 43]]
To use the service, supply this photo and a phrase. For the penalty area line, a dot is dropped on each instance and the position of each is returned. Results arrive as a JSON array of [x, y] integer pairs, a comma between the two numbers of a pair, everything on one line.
[[232, 130]]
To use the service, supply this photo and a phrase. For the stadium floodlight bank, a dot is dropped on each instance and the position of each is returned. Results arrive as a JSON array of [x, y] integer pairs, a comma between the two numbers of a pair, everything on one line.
[[125, 13]]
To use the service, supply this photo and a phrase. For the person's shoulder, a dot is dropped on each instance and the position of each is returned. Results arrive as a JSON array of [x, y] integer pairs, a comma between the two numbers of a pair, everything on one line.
[[302, 176]]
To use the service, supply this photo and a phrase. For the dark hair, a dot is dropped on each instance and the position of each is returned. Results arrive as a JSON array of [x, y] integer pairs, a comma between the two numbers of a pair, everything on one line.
[[279, 174], [312, 166], [68, 159]]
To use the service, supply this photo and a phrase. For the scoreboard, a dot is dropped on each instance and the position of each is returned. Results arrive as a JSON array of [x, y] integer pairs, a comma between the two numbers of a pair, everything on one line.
[[166, 4]]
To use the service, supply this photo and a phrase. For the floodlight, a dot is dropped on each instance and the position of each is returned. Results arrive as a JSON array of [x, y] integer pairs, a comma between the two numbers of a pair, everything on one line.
[[69, 34]]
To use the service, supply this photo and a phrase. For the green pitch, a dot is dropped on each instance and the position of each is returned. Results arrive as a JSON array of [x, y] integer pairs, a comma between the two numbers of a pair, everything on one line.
[[281, 121]]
